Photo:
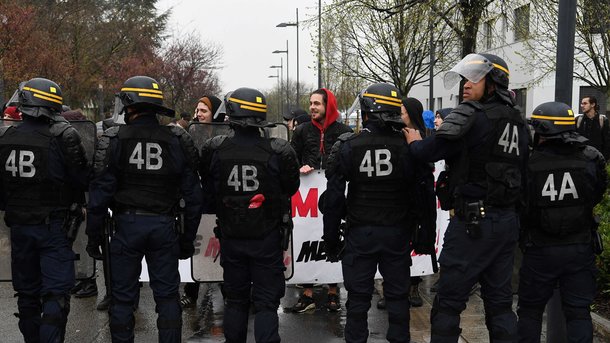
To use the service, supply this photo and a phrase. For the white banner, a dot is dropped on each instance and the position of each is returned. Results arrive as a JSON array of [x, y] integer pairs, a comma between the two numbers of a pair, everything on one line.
[[310, 265]]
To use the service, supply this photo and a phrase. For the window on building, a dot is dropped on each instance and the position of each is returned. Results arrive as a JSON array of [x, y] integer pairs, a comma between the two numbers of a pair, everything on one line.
[[602, 100], [504, 28], [439, 103], [522, 22], [521, 100], [489, 33]]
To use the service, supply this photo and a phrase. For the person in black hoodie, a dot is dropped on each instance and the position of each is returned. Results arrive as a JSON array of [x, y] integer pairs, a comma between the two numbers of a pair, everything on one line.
[[312, 142]]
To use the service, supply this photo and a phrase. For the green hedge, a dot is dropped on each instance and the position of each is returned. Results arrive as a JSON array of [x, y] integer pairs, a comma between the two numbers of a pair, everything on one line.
[[603, 260]]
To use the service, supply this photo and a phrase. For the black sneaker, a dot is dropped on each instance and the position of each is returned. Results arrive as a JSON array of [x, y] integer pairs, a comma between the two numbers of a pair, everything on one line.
[[88, 289], [104, 304], [77, 287], [333, 304], [187, 302], [381, 304], [305, 303], [414, 297]]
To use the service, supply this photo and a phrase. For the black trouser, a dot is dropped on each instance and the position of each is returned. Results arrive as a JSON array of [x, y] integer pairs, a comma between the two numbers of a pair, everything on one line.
[[252, 269], [367, 248]]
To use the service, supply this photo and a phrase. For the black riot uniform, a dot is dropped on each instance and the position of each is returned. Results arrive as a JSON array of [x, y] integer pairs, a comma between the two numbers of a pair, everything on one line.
[[485, 140], [566, 180], [248, 181], [45, 172], [141, 172], [379, 209]]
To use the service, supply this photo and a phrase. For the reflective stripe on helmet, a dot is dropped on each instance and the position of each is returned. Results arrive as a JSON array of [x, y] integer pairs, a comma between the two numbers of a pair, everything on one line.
[[42, 93], [128, 89], [380, 99], [248, 103]]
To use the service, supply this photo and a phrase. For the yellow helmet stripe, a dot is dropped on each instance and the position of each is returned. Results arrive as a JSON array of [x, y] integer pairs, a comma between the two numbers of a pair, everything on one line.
[[536, 116], [571, 122], [388, 103], [151, 95], [246, 107], [34, 90], [47, 98], [501, 68], [248, 103], [377, 96], [146, 90]]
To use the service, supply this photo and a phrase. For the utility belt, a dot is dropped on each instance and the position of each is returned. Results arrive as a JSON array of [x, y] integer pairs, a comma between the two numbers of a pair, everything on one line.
[[472, 211], [136, 211]]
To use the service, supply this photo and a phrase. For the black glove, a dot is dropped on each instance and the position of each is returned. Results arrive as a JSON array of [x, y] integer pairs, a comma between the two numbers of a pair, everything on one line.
[[94, 247], [187, 249], [332, 248]]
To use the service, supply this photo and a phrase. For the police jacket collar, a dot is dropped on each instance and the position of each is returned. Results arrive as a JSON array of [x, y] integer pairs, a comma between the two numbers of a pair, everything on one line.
[[144, 119]]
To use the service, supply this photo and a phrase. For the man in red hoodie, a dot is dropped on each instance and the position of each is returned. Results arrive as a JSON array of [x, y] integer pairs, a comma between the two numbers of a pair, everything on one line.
[[312, 142]]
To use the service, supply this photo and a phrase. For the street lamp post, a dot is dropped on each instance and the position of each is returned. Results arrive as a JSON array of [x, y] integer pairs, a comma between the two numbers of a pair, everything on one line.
[[279, 89], [296, 25], [287, 72], [281, 68], [319, 44]]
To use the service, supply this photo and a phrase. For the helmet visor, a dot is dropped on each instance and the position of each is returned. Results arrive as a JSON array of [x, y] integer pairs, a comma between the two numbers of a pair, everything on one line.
[[473, 67], [222, 109]]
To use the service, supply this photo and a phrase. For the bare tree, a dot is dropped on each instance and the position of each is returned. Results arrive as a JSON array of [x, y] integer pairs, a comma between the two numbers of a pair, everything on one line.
[[188, 71]]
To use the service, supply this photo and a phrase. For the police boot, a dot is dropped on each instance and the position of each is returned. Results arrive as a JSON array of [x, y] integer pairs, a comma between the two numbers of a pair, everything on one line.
[[414, 297]]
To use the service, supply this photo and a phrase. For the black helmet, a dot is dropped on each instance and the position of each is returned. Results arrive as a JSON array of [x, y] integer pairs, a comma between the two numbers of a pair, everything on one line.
[[552, 118], [474, 67], [499, 74], [143, 93], [246, 106], [382, 101], [40, 97]]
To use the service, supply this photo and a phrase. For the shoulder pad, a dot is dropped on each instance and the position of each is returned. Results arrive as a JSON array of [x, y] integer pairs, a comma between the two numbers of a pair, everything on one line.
[[101, 157], [346, 136], [58, 127], [214, 142], [593, 154], [332, 162], [459, 121], [288, 156], [4, 129], [207, 151], [111, 132], [188, 147]]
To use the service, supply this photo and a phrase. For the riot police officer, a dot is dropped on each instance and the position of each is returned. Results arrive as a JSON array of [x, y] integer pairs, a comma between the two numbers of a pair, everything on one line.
[[485, 140], [45, 172], [141, 171], [566, 180], [248, 181], [380, 212]]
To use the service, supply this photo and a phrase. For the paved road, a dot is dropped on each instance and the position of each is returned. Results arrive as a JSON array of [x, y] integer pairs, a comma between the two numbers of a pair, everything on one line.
[[204, 324]]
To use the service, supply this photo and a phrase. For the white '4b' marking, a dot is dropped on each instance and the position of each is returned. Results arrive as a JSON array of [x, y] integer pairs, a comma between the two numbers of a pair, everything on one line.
[[24, 166], [382, 167], [248, 182], [153, 161]]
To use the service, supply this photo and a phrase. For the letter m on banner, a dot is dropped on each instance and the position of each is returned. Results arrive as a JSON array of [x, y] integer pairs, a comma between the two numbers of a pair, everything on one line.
[[307, 207]]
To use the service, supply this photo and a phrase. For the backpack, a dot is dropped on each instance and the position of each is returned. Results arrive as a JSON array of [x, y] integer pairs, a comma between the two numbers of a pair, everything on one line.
[[602, 119]]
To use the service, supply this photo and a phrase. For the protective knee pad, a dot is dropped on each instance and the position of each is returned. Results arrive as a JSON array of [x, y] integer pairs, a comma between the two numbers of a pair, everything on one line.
[[29, 317], [576, 313], [444, 320], [499, 332], [56, 308], [237, 300], [121, 325], [170, 313]]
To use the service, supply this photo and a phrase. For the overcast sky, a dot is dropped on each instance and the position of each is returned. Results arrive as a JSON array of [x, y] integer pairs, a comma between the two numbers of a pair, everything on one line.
[[246, 30]]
